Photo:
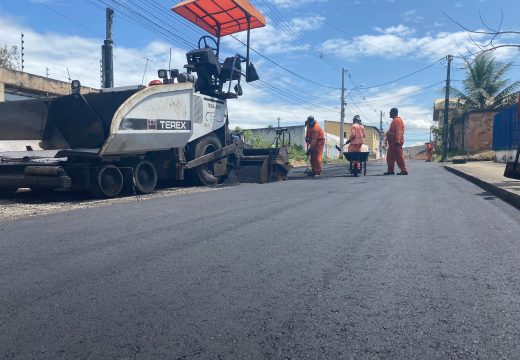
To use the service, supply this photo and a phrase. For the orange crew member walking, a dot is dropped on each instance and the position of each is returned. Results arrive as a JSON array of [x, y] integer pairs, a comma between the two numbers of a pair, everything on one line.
[[316, 138], [395, 138], [429, 152]]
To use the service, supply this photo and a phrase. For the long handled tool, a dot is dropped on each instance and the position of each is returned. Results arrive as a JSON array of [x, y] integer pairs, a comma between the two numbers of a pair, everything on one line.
[[308, 169]]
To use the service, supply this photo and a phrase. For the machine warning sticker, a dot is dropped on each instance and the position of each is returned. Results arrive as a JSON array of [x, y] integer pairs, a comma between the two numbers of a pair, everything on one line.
[[155, 124]]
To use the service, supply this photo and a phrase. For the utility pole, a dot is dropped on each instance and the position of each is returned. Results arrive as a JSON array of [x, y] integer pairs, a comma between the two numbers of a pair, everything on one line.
[[342, 118], [278, 122], [381, 135], [47, 72], [22, 52], [445, 126], [145, 68], [107, 52]]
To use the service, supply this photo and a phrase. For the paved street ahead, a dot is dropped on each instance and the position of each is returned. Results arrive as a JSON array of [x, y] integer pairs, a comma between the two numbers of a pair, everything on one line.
[[424, 266]]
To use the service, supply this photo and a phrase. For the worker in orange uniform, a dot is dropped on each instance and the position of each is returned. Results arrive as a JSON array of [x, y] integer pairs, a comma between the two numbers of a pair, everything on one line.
[[429, 152], [316, 139], [357, 138], [395, 138]]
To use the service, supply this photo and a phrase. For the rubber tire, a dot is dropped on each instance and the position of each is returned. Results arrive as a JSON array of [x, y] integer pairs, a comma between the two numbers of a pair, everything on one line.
[[151, 177], [355, 170], [96, 188], [202, 175]]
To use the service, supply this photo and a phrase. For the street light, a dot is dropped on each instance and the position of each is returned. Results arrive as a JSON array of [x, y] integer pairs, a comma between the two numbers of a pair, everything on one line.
[[343, 103]]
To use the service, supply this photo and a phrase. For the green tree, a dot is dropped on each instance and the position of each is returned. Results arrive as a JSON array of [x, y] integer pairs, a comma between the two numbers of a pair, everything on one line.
[[9, 57], [485, 86]]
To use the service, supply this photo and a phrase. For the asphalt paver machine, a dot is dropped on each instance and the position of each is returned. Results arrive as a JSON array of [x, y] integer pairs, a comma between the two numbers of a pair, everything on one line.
[[129, 139]]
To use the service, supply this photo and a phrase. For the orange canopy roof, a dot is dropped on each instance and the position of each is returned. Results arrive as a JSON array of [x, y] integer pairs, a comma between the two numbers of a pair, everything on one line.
[[228, 15]]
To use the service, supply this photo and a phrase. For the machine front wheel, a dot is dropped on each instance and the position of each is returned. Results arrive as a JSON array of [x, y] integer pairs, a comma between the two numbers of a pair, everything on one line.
[[107, 182], [204, 174]]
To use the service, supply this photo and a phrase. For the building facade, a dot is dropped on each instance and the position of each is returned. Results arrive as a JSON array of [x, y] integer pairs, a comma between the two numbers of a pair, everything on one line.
[[17, 85], [372, 139]]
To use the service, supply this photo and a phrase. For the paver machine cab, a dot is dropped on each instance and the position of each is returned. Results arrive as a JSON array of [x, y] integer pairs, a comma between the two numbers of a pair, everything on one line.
[[130, 139]]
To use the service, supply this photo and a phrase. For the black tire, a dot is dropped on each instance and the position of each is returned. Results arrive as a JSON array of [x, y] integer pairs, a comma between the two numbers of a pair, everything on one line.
[[365, 169], [145, 176], [107, 182], [355, 170], [204, 174]]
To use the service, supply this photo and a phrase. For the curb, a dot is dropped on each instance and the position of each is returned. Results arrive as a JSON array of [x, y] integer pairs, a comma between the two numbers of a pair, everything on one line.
[[507, 196]]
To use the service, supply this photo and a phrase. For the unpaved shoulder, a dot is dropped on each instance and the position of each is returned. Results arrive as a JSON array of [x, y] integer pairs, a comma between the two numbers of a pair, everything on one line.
[[25, 203]]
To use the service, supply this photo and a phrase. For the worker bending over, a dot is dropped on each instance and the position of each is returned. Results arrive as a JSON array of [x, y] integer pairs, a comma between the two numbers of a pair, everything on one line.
[[395, 138], [357, 138], [429, 152], [316, 140]]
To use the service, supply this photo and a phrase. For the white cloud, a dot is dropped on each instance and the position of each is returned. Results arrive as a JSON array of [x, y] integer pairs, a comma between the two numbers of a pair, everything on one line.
[[82, 56], [308, 23], [411, 16], [399, 30], [430, 46], [272, 39]]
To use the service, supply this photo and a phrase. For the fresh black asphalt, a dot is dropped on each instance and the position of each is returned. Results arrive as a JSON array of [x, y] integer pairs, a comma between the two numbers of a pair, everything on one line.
[[424, 266]]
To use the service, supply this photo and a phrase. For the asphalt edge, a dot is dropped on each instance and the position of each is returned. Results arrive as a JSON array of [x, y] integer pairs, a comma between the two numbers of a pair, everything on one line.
[[507, 196]]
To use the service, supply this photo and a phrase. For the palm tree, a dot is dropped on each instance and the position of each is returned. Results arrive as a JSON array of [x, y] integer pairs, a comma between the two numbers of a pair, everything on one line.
[[485, 87]]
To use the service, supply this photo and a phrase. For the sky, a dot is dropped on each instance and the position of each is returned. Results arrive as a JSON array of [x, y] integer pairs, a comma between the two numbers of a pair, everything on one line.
[[393, 52]]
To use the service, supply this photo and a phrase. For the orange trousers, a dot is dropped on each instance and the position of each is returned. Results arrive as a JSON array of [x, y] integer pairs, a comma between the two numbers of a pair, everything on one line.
[[317, 157], [395, 155], [429, 155]]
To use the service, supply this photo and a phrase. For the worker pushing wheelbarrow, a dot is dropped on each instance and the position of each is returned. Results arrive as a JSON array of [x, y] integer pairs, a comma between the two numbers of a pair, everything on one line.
[[356, 155]]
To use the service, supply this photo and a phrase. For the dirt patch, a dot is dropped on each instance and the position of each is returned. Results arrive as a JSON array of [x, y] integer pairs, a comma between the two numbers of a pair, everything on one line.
[[25, 203], [298, 163]]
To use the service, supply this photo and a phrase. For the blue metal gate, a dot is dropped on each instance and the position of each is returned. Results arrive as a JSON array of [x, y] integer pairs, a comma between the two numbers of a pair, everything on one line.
[[506, 129]]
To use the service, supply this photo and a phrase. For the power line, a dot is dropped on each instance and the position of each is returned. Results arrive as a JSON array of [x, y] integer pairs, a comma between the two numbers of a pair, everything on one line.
[[403, 77], [68, 18], [284, 68]]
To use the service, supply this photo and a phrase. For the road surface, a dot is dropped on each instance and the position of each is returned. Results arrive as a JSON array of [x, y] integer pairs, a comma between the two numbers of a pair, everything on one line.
[[424, 266]]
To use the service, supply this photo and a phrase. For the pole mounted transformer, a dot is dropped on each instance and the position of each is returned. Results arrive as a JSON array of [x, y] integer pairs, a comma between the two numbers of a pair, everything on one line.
[[107, 51]]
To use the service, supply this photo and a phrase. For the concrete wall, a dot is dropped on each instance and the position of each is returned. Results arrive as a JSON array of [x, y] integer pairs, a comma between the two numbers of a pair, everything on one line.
[[297, 134], [371, 132], [17, 82]]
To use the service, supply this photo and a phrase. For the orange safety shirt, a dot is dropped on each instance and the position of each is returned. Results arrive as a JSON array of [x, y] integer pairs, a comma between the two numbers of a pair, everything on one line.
[[316, 135], [357, 134], [395, 133]]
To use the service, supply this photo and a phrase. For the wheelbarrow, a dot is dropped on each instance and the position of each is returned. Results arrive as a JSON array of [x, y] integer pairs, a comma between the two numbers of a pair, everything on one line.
[[354, 158]]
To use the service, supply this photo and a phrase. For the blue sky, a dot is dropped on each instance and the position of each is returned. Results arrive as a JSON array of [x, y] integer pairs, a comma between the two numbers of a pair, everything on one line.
[[304, 47]]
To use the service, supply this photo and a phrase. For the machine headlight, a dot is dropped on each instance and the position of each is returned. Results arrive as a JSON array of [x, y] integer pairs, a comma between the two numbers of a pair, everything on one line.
[[163, 74]]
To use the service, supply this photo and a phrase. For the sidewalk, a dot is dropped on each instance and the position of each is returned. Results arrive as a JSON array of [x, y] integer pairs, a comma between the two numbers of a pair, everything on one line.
[[489, 176]]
